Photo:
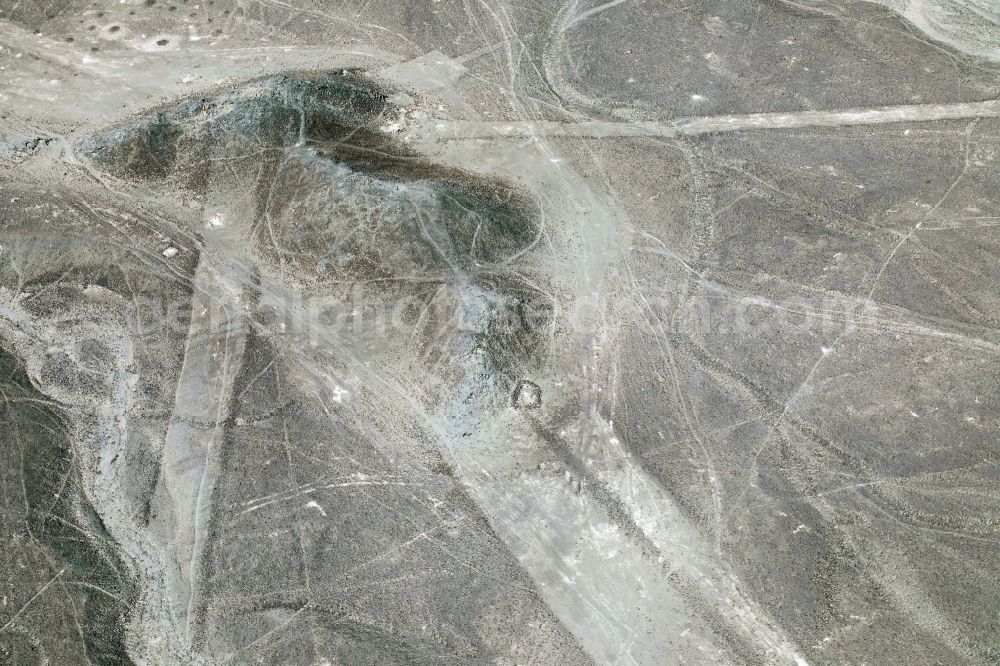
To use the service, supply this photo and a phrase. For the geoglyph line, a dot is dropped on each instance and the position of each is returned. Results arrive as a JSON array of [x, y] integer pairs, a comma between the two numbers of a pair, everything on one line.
[[451, 130]]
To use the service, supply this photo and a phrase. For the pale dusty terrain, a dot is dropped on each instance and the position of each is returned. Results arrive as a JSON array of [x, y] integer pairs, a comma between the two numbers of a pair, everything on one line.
[[467, 331]]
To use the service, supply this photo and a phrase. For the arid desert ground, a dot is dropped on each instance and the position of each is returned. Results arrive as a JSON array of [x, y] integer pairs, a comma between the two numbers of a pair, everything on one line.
[[649, 332]]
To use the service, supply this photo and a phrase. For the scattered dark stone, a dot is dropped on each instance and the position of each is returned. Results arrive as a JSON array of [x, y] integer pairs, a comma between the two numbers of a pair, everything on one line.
[[444, 468], [527, 395], [37, 454]]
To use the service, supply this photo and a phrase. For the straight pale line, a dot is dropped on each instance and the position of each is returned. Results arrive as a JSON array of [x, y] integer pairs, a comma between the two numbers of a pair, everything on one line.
[[29, 601], [450, 130]]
